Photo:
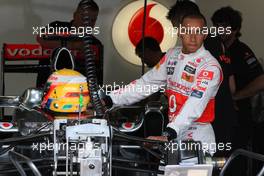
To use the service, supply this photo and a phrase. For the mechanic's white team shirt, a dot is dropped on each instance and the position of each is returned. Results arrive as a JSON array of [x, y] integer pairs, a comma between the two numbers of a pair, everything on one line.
[[191, 80]]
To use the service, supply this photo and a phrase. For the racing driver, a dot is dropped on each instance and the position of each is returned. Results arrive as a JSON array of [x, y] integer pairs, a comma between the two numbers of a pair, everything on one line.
[[192, 77]]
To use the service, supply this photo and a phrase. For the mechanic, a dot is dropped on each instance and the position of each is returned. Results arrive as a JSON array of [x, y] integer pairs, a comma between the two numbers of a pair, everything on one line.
[[151, 57], [246, 68], [192, 76], [225, 114], [93, 11]]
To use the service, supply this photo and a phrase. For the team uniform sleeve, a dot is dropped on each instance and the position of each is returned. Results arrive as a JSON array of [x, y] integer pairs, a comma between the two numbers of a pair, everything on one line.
[[205, 88], [151, 82]]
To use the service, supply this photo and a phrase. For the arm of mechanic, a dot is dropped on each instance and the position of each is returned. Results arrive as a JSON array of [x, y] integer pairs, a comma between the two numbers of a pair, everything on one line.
[[206, 86], [151, 82], [251, 89], [254, 70], [232, 87], [232, 84]]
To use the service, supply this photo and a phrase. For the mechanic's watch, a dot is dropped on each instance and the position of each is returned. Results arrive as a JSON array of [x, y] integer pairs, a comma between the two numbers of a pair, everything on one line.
[[169, 133]]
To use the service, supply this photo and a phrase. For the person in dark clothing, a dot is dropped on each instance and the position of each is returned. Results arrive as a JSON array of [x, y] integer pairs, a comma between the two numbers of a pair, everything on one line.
[[225, 114], [152, 53], [76, 44], [246, 68], [151, 57], [153, 122]]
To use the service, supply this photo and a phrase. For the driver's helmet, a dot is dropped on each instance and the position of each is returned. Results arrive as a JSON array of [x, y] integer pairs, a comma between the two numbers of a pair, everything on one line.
[[66, 91]]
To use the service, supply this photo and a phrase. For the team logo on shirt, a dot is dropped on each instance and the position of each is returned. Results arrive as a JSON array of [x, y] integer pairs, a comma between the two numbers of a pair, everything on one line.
[[204, 74], [171, 67], [198, 60], [225, 59], [187, 77], [189, 69], [172, 63], [193, 64], [202, 84], [197, 94], [174, 84], [170, 70]]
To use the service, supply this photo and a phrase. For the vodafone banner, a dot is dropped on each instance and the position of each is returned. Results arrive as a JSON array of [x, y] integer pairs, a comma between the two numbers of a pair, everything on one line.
[[36, 52], [127, 28], [25, 51]]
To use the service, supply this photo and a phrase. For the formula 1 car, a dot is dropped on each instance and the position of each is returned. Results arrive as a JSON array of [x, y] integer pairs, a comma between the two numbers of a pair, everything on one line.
[[42, 143], [52, 132]]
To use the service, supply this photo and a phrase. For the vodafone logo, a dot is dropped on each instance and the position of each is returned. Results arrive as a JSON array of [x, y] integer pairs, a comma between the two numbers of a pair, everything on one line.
[[208, 75], [127, 28], [6, 125], [205, 73], [128, 125]]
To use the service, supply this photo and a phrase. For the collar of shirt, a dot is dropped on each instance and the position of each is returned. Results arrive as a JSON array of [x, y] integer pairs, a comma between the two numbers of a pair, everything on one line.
[[200, 51]]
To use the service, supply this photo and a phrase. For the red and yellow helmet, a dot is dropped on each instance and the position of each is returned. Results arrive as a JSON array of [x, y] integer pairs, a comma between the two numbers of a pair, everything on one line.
[[66, 91]]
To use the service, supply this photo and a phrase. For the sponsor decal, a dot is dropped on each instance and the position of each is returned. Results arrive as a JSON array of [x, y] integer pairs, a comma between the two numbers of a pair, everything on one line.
[[170, 70], [66, 107], [189, 69], [53, 78], [192, 128], [187, 77], [225, 59], [202, 84], [198, 60], [25, 51], [171, 67], [197, 94], [172, 103], [193, 64], [177, 85], [171, 62], [35, 51], [204, 74], [128, 125]]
